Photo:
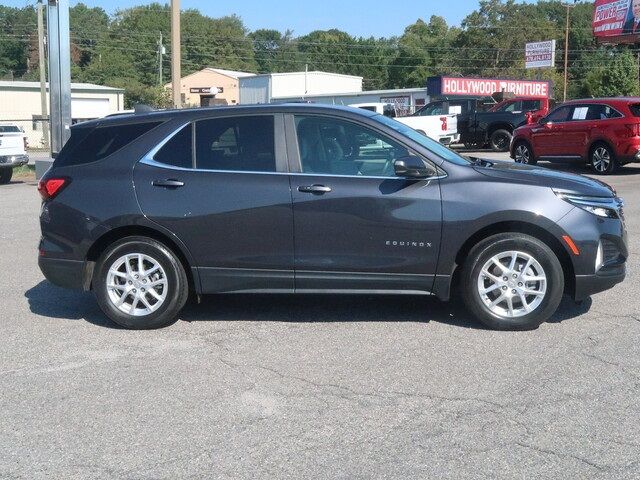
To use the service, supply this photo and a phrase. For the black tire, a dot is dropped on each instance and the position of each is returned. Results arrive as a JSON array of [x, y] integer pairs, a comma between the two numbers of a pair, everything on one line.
[[5, 175], [505, 242], [602, 159], [177, 284], [523, 153], [500, 140]]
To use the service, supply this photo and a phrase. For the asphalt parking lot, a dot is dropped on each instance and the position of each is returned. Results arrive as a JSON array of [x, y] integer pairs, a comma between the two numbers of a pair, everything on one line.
[[312, 387]]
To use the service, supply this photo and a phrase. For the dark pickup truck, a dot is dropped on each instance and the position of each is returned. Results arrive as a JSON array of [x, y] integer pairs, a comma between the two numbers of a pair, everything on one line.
[[494, 126]]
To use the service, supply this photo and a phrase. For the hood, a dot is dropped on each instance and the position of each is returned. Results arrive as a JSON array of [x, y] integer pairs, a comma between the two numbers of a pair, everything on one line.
[[533, 175]]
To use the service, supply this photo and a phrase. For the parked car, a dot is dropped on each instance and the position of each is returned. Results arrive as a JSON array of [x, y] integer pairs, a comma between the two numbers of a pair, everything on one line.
[[386, 109], [145, 209], [495, 127], [13, 146], [603, 133], [434, 121]]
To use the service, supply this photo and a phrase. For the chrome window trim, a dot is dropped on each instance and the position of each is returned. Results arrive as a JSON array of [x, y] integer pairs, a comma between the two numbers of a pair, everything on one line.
[[149, 160], [153, 163]]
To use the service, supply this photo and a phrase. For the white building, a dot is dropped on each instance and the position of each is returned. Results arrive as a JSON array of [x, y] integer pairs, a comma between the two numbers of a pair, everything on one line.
[[273, 87], [406, 100], [20, 104]]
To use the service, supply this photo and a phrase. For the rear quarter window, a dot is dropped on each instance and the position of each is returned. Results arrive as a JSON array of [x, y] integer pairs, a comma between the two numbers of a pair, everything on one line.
[[635, 109], [88, 145]]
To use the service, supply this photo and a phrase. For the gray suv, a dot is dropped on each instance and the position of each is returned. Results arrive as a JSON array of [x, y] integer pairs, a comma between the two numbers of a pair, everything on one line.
[[146, 209]]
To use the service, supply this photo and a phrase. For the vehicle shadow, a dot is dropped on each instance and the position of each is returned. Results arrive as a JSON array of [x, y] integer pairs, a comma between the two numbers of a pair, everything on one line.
[[49, 301]]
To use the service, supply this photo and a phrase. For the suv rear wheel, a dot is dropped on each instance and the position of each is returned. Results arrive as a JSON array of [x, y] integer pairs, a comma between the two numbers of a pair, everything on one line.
[[500, 140], [5, 175], [512, 281], [523, 153], [140, 284], [602, 159]]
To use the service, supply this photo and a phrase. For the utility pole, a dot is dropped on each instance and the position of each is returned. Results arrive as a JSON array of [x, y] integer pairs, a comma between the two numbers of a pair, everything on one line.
[[160, 54], [175, 53], [43, 77], [566, 51]]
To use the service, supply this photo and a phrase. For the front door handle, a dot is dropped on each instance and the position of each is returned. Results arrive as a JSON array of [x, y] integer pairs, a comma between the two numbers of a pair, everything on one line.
[[315, 189], [168, 183]]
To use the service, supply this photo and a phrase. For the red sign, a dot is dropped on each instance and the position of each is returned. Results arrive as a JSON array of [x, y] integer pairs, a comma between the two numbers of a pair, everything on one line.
[[616, 20], [489, 86]]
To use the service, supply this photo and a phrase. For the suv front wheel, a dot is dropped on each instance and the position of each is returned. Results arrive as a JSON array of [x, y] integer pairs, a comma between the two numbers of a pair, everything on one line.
[[140, 284], [512, 281], [523, 153]]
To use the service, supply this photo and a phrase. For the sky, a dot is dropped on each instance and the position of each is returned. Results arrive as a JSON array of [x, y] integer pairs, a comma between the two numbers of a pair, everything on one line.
[[378, 18]]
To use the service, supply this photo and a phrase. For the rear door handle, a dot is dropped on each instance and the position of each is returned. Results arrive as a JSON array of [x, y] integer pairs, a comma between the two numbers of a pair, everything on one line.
[[315, 189], [168, 183]]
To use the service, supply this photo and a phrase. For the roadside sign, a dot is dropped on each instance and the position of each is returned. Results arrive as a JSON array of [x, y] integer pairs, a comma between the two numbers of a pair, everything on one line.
[[616, 21], [209, 90], [540, 54], [458, 86]]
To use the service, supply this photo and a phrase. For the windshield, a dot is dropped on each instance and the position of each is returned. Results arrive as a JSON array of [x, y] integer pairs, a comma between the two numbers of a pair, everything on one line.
[[428, 143], [8, 129]]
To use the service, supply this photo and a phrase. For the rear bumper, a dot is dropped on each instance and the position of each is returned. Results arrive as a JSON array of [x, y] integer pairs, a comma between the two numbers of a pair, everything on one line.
[[606, 278], [63, 273], [13, 160]]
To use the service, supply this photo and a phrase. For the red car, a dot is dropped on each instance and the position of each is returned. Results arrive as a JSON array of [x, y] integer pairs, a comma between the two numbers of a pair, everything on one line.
[[603, 133]]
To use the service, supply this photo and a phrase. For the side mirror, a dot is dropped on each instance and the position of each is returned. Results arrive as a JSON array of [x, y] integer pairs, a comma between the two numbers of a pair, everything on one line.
[[413, 167]]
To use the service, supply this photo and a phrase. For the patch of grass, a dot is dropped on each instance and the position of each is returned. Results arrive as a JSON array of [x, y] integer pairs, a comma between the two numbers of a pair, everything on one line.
[[25, 171]]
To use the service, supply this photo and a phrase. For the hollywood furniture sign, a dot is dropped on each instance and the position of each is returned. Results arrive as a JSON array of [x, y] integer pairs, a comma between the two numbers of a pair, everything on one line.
[[459, 86]]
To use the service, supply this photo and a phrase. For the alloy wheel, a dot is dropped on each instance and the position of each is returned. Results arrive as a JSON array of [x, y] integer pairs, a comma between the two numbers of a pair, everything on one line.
[[137, 284], [601, 159], [522, 154], [512, 284]]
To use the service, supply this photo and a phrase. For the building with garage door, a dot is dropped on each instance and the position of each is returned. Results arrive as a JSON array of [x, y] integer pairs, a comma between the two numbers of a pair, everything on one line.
[[20, 104], [210, 86]]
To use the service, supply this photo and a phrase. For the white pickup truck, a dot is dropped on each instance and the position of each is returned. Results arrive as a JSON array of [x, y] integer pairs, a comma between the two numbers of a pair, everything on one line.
[[443, 128], [13, 146]]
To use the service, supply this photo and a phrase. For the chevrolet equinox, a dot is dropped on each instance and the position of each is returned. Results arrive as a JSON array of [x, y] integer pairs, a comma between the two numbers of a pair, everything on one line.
[[146, 209]]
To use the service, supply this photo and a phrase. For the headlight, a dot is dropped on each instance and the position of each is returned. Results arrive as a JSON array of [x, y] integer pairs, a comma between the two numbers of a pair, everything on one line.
[[606, 207]]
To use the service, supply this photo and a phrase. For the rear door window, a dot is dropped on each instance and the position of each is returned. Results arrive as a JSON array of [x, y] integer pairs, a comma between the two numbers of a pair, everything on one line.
[[88, 145], [602, 112], [635, 109], [243, 144]]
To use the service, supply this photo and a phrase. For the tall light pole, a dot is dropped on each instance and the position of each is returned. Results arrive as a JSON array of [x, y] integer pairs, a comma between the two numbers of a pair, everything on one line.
[[43, 77], [59, 50], [175, 53], [566, 51]]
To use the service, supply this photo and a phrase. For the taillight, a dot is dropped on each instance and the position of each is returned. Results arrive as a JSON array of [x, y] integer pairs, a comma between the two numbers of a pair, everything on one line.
[[633, 129], [26, 143], [51, 187]]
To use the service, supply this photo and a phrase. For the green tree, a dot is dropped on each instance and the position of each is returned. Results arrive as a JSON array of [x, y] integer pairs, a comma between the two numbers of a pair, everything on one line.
[[612, 72]]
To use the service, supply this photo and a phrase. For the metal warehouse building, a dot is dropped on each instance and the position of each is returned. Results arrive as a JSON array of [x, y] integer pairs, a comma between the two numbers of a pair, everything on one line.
[[20, 104], [406, 100], [274, 87]]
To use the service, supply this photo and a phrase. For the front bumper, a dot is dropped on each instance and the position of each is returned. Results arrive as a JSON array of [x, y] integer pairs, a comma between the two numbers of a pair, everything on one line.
[[606, 278], [13, 160]]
